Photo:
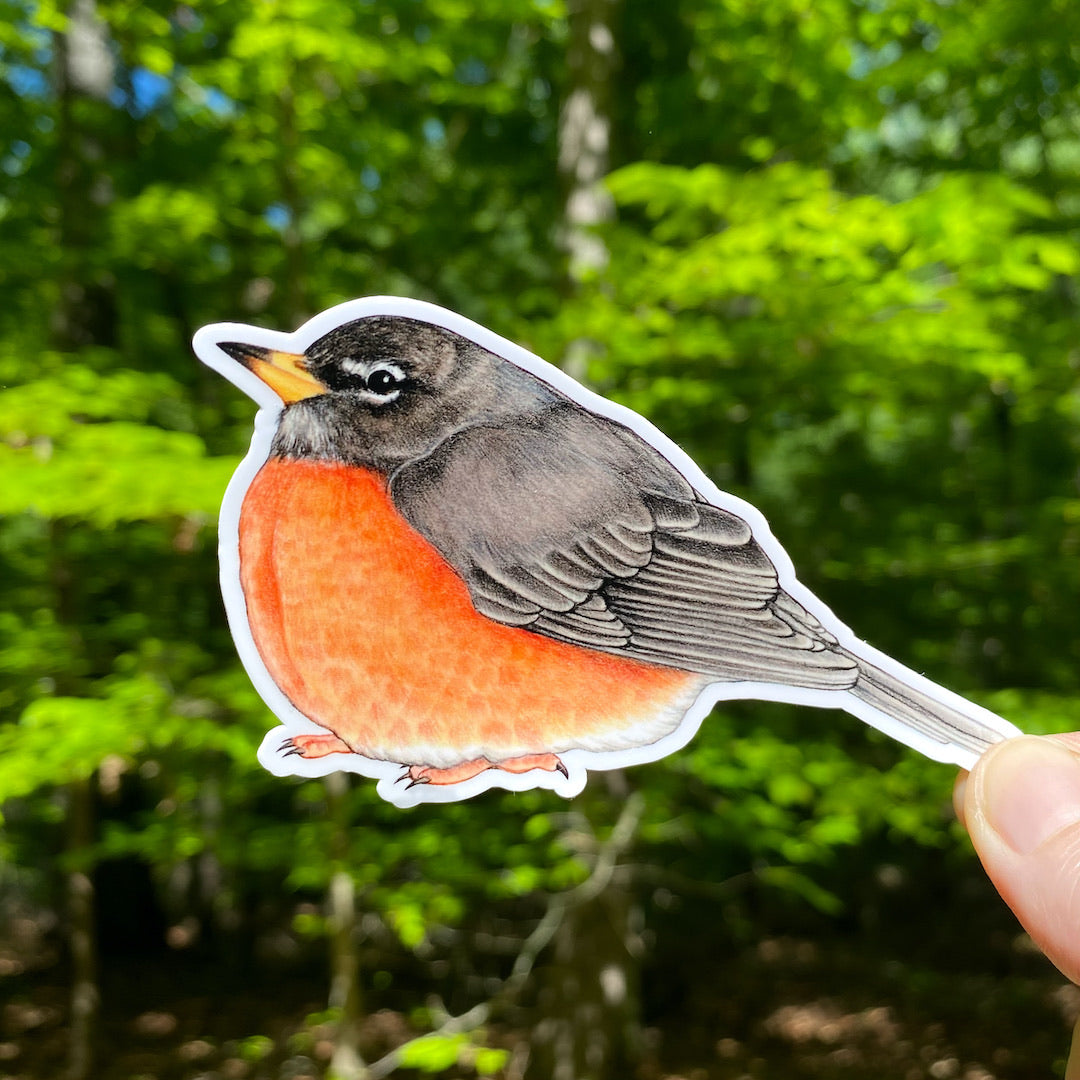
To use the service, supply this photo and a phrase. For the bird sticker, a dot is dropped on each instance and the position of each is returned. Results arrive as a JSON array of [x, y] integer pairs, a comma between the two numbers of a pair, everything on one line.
[[449, 567]]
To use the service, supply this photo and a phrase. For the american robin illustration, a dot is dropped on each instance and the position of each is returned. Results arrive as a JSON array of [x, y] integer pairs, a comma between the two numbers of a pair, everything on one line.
[[449, 566]]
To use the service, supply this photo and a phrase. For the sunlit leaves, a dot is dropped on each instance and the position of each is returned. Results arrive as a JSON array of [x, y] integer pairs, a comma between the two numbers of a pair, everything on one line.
[[162, 224], [436, 1053], [76, 444], [844, 276]]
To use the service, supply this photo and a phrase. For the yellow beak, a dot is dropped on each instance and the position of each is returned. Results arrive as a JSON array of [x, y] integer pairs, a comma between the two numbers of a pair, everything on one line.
[[285, 373]]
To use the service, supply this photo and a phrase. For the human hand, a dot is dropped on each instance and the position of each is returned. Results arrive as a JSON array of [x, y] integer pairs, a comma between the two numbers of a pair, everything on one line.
[[1021, 805]]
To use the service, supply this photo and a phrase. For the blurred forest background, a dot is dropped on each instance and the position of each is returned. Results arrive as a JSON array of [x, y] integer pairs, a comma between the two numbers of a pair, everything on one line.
[[827, 245]]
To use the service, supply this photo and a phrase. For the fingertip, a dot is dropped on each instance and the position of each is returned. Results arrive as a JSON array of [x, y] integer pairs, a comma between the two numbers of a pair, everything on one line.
[[959, 795], [1069, 739], [1028, 790], [1021, 806], [970, 789]]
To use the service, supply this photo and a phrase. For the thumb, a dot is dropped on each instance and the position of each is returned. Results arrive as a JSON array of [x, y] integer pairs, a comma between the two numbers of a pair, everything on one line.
[[1021, 805]]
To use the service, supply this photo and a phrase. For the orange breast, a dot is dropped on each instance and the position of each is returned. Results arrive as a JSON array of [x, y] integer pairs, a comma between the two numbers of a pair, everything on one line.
[[371, 634]]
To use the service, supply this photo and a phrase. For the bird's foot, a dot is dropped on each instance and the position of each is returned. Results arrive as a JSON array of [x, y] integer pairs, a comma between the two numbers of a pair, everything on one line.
[[313, 746], [547, 762], [426, 774], [456, 774]]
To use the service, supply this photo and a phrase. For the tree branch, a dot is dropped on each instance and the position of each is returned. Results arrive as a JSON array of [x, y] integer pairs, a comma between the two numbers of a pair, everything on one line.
[[607, 857]]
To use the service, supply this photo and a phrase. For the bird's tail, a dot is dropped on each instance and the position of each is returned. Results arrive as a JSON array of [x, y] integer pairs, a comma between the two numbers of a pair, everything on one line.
[[946, 728]]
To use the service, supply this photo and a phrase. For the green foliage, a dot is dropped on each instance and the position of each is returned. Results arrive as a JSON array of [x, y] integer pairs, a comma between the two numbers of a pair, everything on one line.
[[437, 1053], [843, 274], [82, 444]]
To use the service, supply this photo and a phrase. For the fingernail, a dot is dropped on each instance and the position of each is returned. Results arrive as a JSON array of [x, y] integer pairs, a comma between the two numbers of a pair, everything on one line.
[[1030, 791], [959, 795]]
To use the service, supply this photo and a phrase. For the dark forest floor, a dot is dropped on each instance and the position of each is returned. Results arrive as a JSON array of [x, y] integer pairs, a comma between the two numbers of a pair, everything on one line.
[[846, 1005]]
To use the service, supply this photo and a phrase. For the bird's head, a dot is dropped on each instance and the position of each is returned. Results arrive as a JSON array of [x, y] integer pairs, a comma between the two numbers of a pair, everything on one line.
[[383, 390]]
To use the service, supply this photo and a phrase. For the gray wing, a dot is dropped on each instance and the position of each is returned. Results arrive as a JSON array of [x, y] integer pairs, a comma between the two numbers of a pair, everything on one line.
[[571, 526]]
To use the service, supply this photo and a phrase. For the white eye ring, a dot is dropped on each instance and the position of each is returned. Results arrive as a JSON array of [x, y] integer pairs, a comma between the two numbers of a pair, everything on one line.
[[365, 369]]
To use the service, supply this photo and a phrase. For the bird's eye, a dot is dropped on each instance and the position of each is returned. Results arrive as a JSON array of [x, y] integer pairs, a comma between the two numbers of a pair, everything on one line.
[[384, 381]]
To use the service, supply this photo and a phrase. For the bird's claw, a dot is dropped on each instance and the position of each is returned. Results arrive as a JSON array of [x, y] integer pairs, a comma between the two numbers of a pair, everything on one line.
[[289, 749], [311, 746], [415, 774]]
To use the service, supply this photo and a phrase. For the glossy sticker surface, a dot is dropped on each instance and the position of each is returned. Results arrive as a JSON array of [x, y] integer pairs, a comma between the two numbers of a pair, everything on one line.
[[448, 566]]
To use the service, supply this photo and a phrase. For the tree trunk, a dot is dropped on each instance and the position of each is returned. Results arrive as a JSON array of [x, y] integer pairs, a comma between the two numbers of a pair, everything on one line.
[[84, 316], [86, 313], [291, 238], [82, 942], [589, 1027], [345, 997], [585, 133]]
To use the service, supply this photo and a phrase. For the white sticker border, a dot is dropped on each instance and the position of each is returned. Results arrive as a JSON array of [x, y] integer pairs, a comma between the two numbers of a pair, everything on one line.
[[577, 762]]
